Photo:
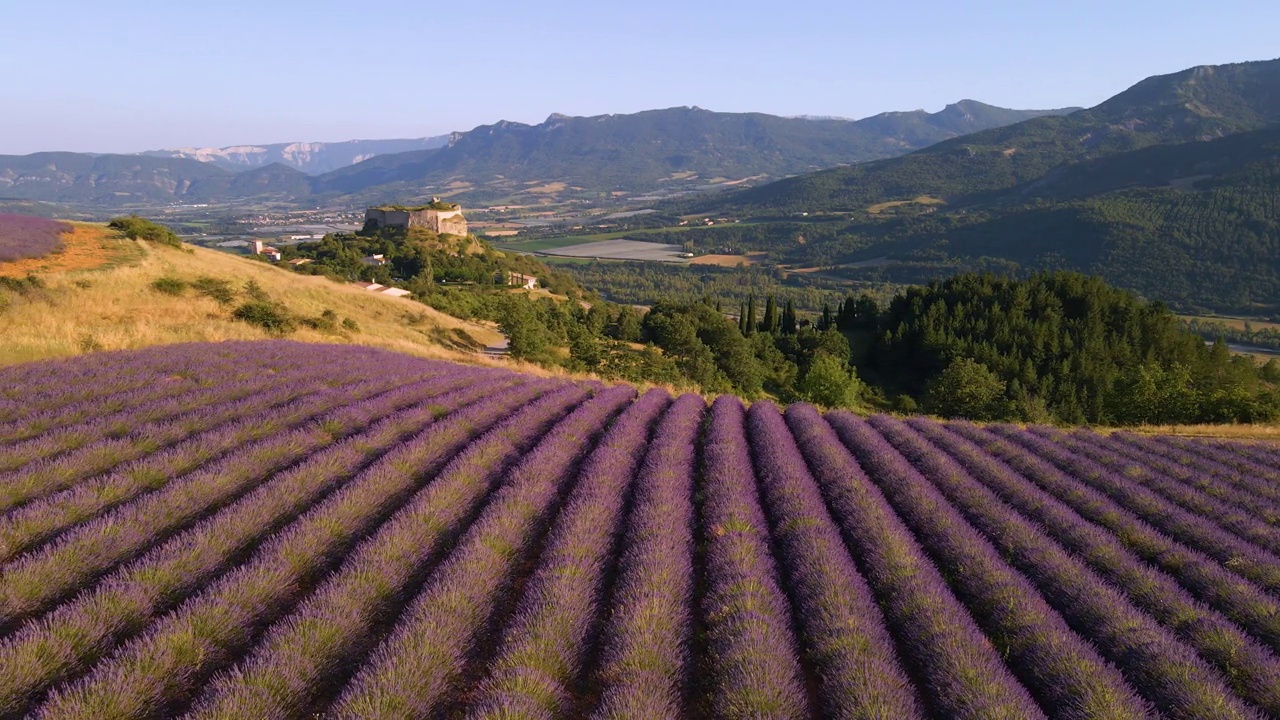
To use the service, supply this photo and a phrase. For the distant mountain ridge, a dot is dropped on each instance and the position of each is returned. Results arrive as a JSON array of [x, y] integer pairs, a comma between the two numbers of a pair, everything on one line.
[[1196, 104], [312, 158], [1170, 188], [635, 153]]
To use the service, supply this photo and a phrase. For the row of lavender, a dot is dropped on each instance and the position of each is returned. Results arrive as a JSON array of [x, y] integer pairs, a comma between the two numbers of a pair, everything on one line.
[[23, 236], [427, 540]]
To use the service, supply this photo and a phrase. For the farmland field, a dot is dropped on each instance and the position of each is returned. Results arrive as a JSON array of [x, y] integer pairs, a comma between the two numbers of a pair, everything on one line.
[[22, 236], [622, 250], [277, 529]]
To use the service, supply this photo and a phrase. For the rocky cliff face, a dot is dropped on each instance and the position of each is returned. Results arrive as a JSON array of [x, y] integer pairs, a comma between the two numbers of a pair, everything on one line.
[[313, 158]]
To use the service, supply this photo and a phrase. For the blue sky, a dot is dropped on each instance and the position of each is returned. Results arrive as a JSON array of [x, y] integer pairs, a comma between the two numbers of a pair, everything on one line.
[[129, 75]]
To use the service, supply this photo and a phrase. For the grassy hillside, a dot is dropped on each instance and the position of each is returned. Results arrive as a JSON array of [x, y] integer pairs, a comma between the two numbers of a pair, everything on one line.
[[115, 307]]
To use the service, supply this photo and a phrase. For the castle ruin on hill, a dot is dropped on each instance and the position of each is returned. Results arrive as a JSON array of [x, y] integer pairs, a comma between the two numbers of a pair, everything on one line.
[[437, 216]]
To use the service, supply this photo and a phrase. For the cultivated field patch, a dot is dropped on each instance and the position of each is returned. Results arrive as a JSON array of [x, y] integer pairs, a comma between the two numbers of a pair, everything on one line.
[[277, 529], [730, 261], [23, 236], [84, 246], [621, 249]]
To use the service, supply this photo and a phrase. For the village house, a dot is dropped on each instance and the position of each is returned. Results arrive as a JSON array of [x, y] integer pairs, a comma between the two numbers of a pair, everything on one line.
[[382, 289], [374, 260], [515, 279], [257, 247]]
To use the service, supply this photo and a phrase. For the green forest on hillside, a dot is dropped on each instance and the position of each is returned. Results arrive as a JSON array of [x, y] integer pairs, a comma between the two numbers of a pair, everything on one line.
[[1052, 347], [1055, 347]]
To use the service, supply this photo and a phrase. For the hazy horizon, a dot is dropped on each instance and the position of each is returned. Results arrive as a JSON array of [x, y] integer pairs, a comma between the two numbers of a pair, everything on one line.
[[129, 78]]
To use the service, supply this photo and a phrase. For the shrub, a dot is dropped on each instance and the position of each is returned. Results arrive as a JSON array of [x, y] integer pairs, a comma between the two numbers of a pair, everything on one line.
[[327, 321], [830, 382], [169, 285], [266, 315], [254, 291], [351, 324], [219, 290], [966, 389], [143, 229], [22, 286]]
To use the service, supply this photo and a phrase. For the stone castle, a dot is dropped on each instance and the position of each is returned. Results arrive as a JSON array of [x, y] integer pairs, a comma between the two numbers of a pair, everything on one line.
[[440, 217]]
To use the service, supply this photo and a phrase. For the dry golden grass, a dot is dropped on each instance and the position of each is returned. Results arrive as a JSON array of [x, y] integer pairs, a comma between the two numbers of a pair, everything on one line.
[[921, 200], [729, 261], [1231, 322], [85, 247], [116, 308], [1264, 432], [548, 188]]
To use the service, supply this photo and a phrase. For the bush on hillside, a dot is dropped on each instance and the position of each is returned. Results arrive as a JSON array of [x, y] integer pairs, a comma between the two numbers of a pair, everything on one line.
[[169, 285], [267, 315], [219, 290], [830, 382], [966, 389], [143, 229]]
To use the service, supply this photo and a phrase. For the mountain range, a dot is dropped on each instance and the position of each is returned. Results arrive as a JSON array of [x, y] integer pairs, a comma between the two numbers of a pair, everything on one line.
[[1171, 188], [312, 158], [642, 152], [1197, 104]]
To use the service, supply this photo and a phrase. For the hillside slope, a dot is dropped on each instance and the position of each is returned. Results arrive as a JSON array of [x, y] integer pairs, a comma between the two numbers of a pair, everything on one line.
[[116, 307], [1196, 225], [1196, 104]]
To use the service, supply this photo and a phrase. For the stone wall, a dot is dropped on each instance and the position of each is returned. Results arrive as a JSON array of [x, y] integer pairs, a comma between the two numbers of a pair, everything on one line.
[[440, 221]]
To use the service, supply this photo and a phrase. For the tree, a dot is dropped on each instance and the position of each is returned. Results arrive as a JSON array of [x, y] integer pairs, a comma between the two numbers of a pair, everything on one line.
[[770, 322], [751, 314], [789, 318], [830, 382], [627, 327], [527, 337], [967, 389], [585, 348]]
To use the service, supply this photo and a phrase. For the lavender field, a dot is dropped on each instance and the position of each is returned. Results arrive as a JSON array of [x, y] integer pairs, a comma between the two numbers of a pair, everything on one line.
[[23, 236], [280, 530]]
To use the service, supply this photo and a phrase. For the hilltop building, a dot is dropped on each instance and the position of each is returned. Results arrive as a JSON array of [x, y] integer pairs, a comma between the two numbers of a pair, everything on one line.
[[437, 216]]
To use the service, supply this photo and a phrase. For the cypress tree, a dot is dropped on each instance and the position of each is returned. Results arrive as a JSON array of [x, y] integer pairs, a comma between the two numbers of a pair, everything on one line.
[[751, 314], [789, 318], [770, 324]]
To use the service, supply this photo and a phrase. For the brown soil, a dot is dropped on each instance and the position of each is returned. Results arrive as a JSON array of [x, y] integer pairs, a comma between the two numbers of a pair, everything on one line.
[[728, 260], [85, 247]]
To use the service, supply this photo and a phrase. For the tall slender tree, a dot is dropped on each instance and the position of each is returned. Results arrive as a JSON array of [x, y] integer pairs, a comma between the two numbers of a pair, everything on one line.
[[770, 322], [789, 318]]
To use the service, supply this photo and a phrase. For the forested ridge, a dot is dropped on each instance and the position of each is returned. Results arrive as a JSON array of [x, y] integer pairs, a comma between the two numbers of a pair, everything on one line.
[[1053, 347], [1171, 188]]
